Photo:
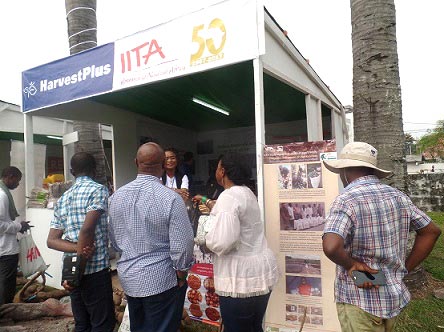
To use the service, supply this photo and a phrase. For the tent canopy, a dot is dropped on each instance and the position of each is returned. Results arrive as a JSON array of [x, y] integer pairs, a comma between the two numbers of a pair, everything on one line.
[[232, 55], [230, 88]]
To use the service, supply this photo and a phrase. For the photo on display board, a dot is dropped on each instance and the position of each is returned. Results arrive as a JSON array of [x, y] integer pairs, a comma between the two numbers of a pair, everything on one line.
[[291, 308], [297, 314], [303, 264], [297, 318], [284, 177], [299, 176], [302, 216], [303, 286], [314, 174]]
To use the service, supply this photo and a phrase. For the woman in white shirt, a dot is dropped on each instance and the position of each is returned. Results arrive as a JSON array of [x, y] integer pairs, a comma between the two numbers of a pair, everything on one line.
[[172, 177], [245, 269]]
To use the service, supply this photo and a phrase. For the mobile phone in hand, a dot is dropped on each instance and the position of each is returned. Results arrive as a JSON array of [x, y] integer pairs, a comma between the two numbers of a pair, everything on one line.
[[360, 277], [70, 270]]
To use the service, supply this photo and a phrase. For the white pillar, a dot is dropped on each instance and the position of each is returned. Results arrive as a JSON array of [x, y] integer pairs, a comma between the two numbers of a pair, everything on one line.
[[29, 153], [337, 128], [124, 149], [66, 158], [260, 130], [68, 150], [314, 118]]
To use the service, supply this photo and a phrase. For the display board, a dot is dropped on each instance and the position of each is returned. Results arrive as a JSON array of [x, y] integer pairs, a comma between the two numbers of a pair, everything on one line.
[[298, 193]]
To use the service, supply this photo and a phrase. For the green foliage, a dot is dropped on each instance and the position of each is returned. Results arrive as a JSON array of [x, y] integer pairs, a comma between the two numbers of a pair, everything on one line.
[[409, 139], [426, 314], [438, 217], [423, 315], [410, 144], [433, 142], [434, 264]]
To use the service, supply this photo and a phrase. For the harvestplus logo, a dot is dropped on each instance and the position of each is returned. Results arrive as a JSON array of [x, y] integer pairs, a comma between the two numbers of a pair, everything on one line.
[[84, 74]]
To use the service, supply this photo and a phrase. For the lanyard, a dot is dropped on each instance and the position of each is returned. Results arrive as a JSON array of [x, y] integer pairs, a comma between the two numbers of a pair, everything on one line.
[[172, 181]]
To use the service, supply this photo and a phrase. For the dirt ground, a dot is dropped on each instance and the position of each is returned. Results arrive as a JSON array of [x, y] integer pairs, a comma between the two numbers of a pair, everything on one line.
[[56, 324], [47, 324], [66, 324], [431, 285]]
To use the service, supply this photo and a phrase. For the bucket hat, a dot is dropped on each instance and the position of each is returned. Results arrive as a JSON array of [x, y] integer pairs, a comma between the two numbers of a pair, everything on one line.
[[357, 154]]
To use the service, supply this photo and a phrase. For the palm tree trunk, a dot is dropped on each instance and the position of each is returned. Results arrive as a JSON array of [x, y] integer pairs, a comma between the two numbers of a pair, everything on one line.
[[82, 35], [377, 108], [82, 24]]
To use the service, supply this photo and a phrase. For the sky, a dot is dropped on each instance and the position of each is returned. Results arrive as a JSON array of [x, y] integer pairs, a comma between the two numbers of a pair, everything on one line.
[[35, 32]]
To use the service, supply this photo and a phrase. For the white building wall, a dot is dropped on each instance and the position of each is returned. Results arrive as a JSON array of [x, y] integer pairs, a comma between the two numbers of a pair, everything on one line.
[[413, 168], [349, 123]]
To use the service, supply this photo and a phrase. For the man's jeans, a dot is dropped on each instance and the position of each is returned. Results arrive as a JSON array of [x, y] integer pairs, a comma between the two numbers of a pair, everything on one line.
[[353, 318], [157, 313], [92, 303], [8, 275]]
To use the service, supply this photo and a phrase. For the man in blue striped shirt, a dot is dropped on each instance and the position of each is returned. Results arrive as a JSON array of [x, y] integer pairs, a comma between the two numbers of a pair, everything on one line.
[[367, 230], [150, 228], [80, 222]]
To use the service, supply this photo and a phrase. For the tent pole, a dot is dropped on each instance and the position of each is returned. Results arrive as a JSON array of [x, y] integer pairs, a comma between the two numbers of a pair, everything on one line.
[[29, 153], [260, 130]]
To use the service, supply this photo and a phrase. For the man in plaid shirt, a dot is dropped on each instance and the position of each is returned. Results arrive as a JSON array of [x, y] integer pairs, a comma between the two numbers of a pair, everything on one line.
[[367, 230], [80, 227]]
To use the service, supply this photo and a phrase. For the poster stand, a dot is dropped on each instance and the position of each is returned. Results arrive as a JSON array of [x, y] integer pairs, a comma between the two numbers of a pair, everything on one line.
[[299, 192]]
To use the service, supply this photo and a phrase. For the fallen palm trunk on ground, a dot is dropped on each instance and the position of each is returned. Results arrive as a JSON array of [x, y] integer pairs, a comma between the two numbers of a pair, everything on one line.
[[29, 311]]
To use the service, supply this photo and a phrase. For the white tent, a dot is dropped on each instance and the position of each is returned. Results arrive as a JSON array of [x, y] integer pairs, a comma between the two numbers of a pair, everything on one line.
[[232, 55]]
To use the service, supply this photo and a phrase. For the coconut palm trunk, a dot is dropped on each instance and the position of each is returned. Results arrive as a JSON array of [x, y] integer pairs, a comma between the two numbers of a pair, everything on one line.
[[82, 35], [377, 106]]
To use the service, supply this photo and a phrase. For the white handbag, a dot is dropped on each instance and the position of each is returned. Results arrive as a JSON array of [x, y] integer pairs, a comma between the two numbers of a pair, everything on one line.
[[205, 224]]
